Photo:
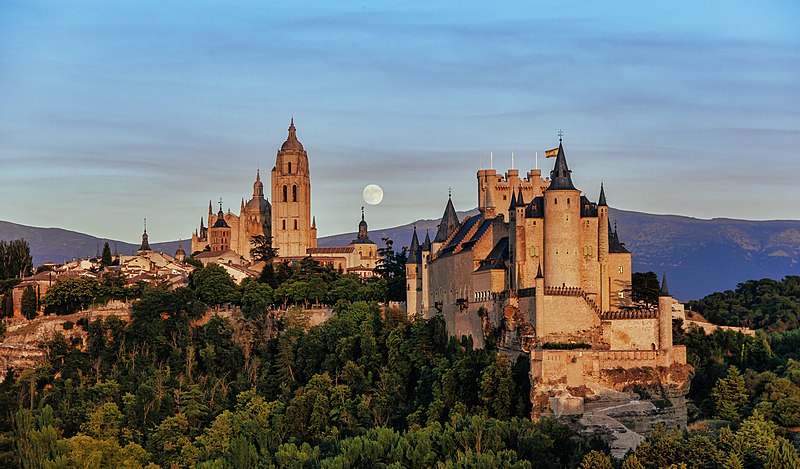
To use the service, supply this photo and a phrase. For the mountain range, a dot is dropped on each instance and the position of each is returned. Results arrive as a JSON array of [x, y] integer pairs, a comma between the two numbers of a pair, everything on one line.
[[698, 256]]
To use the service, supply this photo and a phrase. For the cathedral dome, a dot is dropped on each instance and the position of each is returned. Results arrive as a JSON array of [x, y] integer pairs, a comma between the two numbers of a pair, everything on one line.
[[258, 205], [291, 142]]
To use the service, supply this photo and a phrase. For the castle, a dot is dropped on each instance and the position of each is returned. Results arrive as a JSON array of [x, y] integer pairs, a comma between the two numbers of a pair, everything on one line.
[[540, 271], [287, 220]]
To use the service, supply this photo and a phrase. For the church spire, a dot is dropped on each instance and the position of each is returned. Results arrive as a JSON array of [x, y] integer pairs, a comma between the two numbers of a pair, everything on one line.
[[560, 176], [145, 244], [520, 200], [258, 186], [291, 142]]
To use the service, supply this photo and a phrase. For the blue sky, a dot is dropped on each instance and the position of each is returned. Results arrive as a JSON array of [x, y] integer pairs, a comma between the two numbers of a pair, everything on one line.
[[115, 111]]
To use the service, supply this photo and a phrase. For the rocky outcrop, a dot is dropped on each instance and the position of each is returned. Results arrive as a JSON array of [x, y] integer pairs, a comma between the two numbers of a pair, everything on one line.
[[620, 405]]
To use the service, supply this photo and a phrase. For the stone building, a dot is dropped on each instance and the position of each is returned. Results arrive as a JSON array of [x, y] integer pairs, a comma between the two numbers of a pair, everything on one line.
[[540, 270], [287, 220]]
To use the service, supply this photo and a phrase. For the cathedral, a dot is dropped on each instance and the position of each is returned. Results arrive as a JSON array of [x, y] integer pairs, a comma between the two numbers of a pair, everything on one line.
[[287, 220], [539, 270]]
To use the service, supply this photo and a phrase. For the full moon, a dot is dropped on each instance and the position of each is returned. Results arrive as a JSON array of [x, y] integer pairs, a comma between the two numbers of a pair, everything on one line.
[[373, 194]]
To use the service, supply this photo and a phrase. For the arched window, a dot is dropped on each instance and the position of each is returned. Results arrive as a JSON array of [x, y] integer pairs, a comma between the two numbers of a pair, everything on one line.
[[284, 194], [290, 167], [295, 224], [294, 193], [283, 224]]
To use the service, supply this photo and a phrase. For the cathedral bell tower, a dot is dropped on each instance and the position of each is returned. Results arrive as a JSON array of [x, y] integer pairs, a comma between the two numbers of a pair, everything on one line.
[[292, 233]]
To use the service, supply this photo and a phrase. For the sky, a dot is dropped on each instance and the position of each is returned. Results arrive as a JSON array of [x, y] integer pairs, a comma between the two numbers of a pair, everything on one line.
[[111, 112]]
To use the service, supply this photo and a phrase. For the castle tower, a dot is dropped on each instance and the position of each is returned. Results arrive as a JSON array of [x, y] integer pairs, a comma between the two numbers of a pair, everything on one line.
[[562, 261], [665, 316], [292, 233], [413, 278], [602, 250]]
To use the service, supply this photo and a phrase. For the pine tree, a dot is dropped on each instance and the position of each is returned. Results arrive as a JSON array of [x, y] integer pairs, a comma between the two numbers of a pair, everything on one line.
[[29, 302], [782, 455], [106, 259], [730, 396], [632, 462], [596, 460]]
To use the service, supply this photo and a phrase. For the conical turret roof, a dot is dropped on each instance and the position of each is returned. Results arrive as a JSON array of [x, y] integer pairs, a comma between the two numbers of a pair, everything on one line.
[[664, 288], [414, 252], [560, 176], [601, 202], [448, 224]]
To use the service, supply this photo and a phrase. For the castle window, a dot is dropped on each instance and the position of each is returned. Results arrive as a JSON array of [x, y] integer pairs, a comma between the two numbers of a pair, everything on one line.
[[567, 200], [295, 224], [284, 193], [622, 294], [505, 197], [294, 193], [555, 201], [620, 270], [283, 224], [290, 167]]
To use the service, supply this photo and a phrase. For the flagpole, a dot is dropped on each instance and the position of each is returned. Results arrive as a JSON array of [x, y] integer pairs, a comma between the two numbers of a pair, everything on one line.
[[512, 160], [491, 160], [537, 160]]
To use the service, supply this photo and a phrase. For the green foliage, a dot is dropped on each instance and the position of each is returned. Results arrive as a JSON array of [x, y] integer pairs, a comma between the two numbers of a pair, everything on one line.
[[730, 396], [213, 285], [392, 268], [15, 259], [596, 460], [757, 304], [67, 325], [29, 302], [70, 296], [106, 259], [645, 288]]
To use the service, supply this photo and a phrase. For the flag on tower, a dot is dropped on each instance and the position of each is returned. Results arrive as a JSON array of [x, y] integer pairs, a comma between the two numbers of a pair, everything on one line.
[[551, 153]]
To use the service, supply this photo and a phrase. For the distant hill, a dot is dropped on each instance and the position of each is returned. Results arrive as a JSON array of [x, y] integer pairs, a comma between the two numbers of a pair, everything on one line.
[[59, 245], [699, 256]]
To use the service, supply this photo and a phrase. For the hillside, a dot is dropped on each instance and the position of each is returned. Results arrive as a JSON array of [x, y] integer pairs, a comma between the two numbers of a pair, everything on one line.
[[699, 256], [59, 245]]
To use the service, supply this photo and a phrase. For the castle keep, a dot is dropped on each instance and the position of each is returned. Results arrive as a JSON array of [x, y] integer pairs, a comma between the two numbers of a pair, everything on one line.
[[541, 271]]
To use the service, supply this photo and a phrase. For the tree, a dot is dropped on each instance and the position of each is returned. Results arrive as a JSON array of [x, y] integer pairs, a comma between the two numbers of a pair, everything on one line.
[[392, 267], [70, 295], [256, 299], [213, 285], [262, 249], [29, 302], [645, 288], [106, 259], [596, 460], [730, 396], [15, 259]]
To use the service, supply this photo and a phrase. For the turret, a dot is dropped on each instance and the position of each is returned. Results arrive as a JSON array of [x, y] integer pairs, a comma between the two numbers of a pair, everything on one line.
[[414, 277], [562, 261], [665, 302], [602, 250]]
